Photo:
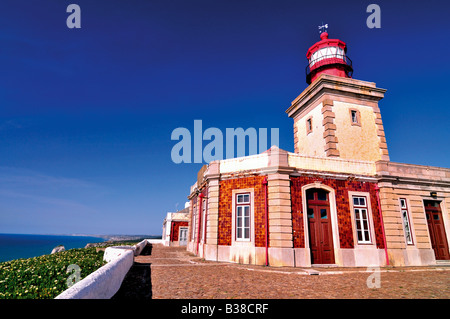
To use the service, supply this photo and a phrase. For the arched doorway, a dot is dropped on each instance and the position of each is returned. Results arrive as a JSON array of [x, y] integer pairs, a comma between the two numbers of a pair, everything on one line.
[[319, 226]]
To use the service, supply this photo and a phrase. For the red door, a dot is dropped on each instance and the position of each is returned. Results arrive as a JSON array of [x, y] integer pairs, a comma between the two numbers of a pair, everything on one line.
[[437, 231], [319, 223]]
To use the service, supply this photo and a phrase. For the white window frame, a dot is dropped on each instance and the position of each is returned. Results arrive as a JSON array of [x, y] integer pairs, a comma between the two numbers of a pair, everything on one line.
[[202, 229], [362, 211], [234, 233], [194, 221], [364, 243], [243, 206], [404, 212], [186, 229]]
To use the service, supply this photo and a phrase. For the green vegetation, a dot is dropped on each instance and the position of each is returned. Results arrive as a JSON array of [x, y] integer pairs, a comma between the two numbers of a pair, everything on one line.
[[45, 277]]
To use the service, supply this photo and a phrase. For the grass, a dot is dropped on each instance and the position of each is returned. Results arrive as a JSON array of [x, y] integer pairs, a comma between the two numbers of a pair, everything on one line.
[[46, 276]]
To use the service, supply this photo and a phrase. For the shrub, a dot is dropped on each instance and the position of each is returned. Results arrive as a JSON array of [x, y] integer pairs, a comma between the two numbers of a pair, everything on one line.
[[45, 277]]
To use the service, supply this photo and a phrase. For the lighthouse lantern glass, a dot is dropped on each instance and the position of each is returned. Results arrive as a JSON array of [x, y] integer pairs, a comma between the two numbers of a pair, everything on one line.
[[326, 53]]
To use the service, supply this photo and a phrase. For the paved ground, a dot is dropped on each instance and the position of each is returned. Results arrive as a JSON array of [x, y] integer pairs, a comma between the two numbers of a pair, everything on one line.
[[171, 272]]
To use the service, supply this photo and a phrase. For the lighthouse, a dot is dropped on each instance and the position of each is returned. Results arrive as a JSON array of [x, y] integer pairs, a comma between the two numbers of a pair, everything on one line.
[[326, 202], [337, 115], [328, 56]]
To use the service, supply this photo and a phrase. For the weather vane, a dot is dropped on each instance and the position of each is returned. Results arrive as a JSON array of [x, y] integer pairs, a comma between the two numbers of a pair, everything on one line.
[[323, 28]]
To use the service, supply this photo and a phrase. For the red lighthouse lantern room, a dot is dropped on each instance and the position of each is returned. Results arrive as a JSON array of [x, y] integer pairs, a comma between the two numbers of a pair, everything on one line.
[[328, 56]]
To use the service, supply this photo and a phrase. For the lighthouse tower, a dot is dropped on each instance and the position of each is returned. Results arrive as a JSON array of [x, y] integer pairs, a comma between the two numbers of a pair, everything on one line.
[[328, 56], [336, 115]]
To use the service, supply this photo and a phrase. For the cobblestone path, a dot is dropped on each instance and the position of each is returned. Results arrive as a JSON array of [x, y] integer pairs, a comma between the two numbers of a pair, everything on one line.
[[172, 272]]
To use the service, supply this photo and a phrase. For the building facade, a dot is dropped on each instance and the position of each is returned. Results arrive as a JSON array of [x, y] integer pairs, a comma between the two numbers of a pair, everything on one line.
[[337, 200], [176, 228]]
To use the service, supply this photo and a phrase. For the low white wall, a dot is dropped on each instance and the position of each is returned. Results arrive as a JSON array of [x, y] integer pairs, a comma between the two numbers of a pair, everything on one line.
[[154, 241], [106, 281], [140, 246]]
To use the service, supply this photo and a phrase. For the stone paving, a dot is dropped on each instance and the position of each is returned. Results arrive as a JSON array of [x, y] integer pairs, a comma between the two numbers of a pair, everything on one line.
[[172, 272]]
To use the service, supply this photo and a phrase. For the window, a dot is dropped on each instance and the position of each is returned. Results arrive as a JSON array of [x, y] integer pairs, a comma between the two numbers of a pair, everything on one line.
[[405, 219], [323, 213], [309, 126], [361, 219], [194, 221], [355, 117], [243, 217], [321, 194], [202, 230]]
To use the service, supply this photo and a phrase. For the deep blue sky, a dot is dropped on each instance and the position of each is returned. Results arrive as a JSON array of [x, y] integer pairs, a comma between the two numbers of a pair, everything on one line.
[[86, 114]]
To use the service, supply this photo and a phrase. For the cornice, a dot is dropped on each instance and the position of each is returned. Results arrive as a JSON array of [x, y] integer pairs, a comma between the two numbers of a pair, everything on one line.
[[335, 85]]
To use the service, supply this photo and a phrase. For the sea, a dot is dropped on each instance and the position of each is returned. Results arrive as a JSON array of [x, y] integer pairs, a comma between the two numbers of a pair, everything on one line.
[[16, 246]]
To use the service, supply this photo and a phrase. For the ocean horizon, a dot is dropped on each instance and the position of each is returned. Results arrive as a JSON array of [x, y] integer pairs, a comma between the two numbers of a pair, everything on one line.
[[16, 246]]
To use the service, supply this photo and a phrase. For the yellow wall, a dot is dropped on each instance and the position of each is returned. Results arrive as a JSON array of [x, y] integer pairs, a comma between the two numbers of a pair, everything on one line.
[[311, 144], [356, 142]]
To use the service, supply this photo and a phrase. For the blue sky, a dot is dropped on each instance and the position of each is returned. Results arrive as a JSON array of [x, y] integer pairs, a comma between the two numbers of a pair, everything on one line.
[[86, 114]]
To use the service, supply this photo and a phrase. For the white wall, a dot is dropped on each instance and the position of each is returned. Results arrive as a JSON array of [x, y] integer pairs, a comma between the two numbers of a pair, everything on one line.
[[106, 281]]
